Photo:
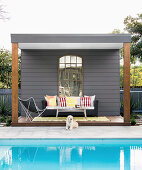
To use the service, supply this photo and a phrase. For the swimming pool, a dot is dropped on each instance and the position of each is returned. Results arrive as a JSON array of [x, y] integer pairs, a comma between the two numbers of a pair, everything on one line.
[[70, 154]]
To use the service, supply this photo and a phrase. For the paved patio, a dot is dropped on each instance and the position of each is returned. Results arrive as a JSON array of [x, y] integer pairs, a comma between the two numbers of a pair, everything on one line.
[[81, 132]]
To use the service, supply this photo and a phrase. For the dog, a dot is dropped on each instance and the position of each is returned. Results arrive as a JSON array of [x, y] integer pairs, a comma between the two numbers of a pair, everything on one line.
[[70, 123]]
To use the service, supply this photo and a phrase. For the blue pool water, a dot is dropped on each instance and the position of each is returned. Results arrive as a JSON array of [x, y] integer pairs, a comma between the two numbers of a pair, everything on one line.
[[71, 154]]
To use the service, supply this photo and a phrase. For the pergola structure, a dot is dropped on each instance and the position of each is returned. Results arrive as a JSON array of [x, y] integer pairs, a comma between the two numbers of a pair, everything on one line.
[[73, 42]]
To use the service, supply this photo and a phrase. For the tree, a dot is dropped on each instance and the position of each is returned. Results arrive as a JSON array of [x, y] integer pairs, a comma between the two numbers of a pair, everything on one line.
[[116, 31], [134, 27], [6, 69]]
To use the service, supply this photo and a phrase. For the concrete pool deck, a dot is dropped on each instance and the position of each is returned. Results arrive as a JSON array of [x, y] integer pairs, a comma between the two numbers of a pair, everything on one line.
[[81, 132]]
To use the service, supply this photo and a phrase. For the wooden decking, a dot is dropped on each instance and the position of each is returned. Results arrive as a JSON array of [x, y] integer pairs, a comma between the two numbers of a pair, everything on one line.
[[113, 121]]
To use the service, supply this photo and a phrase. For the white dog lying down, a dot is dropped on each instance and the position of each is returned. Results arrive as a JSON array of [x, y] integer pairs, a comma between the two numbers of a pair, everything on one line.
[[70, 123]]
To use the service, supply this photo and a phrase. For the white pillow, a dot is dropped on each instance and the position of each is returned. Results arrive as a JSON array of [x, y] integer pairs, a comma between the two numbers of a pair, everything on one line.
[[92, 100]]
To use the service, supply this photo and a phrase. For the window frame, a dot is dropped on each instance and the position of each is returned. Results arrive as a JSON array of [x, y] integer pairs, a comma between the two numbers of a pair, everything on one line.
[[82, 70]]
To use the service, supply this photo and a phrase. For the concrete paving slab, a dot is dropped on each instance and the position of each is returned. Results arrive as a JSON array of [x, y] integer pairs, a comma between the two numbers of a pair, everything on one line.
[[81, 132]]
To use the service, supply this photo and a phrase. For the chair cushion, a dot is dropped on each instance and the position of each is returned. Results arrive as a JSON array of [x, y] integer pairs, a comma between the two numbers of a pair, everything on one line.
[[85, 101], [51, 101]]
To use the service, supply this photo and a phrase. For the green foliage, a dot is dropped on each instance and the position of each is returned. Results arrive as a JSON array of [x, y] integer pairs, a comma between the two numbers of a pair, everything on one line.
[[6, 69], [133, 106], [8, 121], [135, 76], [4, 108], [2, 119], [134, 27], [132, 120], [117, 31]]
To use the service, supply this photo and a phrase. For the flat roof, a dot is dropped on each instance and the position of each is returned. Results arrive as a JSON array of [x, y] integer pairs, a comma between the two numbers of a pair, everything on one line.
[[70, 41]]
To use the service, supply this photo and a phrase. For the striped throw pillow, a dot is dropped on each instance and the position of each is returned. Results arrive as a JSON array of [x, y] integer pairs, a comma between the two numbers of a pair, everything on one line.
[[92, 100], [85, 101], [62, 102]]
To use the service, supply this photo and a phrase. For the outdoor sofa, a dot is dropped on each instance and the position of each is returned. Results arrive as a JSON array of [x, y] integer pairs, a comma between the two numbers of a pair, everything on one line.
[[65, 111]]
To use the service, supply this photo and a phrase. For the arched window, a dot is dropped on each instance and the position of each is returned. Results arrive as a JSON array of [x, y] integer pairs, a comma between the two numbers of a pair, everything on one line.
[[70, 76]]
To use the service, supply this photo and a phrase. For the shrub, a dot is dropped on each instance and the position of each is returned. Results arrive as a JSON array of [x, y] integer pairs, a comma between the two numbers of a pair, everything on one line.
[[133, 121], [2, 119], [8, 121], [133, 106], [4, 108]]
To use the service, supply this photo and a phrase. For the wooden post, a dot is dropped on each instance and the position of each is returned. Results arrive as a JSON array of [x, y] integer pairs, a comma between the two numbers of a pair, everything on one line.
[[126, 70], [14, 82]]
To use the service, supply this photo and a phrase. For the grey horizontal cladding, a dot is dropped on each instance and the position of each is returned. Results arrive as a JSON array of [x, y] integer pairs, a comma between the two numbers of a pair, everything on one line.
[[31, 76], [101, 80], [39, 66], [113, 109], [44, 70], [87, 66], [99, 94], [39, 79], [40, 88], [95, 74], [47, 70], [94, 59], [35, 56], [40, 91], [41, 95], [51, 74], [106, 66], [101, 76], [105, 93], [70, 38], [102, 87], [52, 61], [91, 59], [107, 96], [99, 56], [91, 52], [102, 61], [44, 80], [38, 83], [95, 65], [106, 106], [99, 68], [110, 100], [109, 113], [111, 84], [28, 85]]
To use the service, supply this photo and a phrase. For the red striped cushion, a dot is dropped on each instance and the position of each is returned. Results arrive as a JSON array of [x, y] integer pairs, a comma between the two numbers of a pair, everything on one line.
[[62, 101], [85, 101]]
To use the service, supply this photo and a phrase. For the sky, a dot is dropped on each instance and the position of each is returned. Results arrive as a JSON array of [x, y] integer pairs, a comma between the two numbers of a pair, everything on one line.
[[65, 16]]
